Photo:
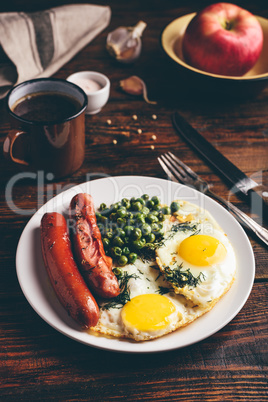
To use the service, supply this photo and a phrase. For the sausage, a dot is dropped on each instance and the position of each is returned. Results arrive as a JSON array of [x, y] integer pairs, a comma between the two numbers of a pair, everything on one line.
[[94, 264], [63, 272]]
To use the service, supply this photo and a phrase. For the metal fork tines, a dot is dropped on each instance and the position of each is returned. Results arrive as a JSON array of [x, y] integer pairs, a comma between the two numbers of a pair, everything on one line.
[[177, 171]]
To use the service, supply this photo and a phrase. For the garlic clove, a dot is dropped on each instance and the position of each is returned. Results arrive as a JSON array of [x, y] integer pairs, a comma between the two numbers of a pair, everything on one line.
[[124, 43], [135, 86]]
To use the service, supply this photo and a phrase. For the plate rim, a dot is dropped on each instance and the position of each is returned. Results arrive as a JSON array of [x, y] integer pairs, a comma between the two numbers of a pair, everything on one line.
[[124, 342]]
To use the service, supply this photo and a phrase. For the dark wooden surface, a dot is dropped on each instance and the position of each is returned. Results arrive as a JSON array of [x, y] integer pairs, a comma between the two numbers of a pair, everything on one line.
[[37, 362]]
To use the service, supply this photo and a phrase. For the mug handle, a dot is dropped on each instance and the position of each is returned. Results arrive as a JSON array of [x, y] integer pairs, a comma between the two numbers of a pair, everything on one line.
[[8, 147]]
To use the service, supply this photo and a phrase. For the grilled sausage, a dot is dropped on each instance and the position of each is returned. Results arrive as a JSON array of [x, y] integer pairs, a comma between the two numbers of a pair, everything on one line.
[[63, 272], [94, 265]]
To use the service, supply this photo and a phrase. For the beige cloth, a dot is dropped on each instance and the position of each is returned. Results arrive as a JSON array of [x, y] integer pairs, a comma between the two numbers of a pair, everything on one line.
[[36, 45]]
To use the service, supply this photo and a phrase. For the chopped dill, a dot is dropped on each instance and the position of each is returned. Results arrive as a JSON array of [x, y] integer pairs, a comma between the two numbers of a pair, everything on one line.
[[155, 267], [147, 253], [183, 227], [181, 278], [179, 227], [162, 290], [124, 296]]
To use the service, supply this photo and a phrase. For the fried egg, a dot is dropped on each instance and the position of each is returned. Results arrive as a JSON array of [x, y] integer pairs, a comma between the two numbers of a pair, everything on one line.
[[152, 303], [198, 262]]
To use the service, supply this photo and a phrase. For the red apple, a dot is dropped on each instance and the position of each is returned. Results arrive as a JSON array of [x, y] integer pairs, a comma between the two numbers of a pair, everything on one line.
[[223, 39]]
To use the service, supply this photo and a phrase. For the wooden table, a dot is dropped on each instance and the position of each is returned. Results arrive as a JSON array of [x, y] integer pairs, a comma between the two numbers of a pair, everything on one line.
[[39, 363]]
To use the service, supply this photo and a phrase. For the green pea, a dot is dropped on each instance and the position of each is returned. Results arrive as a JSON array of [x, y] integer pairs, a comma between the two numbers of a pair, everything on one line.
[[117, 241], [136, 234], [137, 206], [126, 203], [155, 200], [141, 200], [121, 212], [155, 227], [109, 234], [138, 244], [161, 232], [102, 206], [118, 272], [129, 215], [145, 197], [120, 232], [141, 219], [132, 257], [154, 213], [116, 251], [143, 241], [152, 218], [157, 208], [146, 229], [121, 221], [150, 246], [122, 260], [145, 211], [128, 229], [106, 242], [126, 251], [149, 204], [174, 206], [150, 238], [116, 206], [161, 217], [166, 210]]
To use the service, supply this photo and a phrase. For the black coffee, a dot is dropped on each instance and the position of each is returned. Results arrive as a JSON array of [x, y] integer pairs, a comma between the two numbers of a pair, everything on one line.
[[46, 107]]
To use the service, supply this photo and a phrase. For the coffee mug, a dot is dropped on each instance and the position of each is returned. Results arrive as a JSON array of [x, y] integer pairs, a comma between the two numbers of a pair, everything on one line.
[[48, 119]]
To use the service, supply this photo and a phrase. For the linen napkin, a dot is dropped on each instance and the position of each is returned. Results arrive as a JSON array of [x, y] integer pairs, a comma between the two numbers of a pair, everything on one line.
[[35, 45]]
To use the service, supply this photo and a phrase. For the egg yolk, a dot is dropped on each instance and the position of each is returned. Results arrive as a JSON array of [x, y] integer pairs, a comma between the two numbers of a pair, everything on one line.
[[202, 250], [147, 312]]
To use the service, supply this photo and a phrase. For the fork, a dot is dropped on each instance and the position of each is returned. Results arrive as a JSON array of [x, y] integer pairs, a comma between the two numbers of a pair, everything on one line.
[[177, 171]]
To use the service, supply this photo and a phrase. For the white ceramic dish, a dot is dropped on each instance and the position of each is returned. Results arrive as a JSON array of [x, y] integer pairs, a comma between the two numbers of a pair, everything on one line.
[[97, 98], [39, 293]]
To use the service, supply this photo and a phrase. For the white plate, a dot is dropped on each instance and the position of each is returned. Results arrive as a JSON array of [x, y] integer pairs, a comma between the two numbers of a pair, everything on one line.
[[39, 293]]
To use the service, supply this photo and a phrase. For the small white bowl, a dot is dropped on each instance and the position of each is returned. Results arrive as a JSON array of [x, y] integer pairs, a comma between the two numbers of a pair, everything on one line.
[[96, 86]]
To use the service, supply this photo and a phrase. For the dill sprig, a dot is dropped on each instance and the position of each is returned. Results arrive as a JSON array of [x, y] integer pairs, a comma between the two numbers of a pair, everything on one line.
[[180, 278], [163, 290], [124, 295]]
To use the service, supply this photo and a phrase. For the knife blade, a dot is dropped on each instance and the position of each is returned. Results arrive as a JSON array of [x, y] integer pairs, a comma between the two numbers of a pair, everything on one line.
[[241, 183]]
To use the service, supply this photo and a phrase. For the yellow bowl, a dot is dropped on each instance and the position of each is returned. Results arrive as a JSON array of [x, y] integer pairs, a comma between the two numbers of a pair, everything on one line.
[[252, 82]]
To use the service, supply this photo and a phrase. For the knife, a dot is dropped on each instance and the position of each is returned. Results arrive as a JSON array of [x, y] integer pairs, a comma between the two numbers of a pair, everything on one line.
[[255, 194]]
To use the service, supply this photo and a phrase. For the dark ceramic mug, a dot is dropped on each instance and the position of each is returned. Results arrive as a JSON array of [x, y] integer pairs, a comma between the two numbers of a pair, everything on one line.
[[48, 120]]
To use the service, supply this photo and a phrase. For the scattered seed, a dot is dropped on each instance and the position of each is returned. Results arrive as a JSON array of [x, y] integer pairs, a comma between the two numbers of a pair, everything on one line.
[[152, 147], [135, 117], [154, 117], [114, 142], [154, 137], [139, 130], [109, 122]]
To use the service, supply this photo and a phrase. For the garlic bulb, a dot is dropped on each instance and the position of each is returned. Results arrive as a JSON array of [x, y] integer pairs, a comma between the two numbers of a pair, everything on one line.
[[124, 43]]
